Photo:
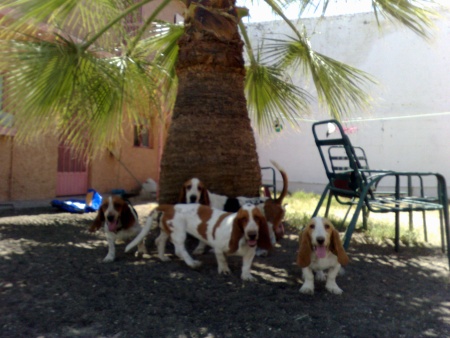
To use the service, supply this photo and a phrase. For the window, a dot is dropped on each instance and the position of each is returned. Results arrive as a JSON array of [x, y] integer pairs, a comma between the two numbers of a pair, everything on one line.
[[143, 137]]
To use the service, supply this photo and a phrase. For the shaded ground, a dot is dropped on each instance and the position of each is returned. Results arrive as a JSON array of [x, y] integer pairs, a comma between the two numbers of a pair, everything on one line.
[[53, 284]]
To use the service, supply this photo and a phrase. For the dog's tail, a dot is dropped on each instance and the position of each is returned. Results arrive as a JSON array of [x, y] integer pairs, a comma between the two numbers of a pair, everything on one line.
[[284, 192], [149, 225]]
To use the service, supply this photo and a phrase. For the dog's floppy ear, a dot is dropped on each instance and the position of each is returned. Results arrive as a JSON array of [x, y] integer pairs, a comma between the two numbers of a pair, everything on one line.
[[337, 248], [182, 196], [264, 241], [204, 197], [237, 231], [304, 251], [127, 216], [98, 221]]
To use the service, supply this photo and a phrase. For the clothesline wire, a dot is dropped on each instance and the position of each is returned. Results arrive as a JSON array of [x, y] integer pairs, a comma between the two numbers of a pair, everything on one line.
[[371, 119]]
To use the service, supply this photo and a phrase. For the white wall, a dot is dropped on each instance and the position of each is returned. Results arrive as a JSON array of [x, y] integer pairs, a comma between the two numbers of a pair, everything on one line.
[[406, 128]]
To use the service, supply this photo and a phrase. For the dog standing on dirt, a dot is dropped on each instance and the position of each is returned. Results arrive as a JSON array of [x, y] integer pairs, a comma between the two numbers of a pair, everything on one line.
[[120, 222], [195, 191], [227, 233]]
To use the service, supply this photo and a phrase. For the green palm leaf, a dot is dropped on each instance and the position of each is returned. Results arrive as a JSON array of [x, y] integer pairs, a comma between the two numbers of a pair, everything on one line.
[[162, 47], [339, 86], [414, 14], [270, 97], [57, 84]]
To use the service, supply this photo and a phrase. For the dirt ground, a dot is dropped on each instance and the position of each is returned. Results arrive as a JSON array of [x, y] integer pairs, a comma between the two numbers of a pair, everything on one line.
[[53, 284]]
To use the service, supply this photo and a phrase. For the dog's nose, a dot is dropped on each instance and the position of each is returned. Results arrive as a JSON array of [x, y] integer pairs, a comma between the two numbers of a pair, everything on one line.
[[253, 235], [320, 240], [193, 199], [110, 218]]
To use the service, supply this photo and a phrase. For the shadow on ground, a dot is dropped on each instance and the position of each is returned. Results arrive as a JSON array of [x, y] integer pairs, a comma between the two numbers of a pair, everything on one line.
[[54, 284]]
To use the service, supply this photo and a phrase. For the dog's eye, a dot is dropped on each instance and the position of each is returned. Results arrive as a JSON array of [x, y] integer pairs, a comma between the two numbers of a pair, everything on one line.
[[312, 226], [327, 226], [199, 188], [189, 187]]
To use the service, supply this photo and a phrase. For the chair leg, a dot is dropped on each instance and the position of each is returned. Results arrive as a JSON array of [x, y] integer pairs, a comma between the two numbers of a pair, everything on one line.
[[441, 216], [322, 198], [352, 225], [425, 233], [346, 214], [366, 213], [447, 231], [397, 231], [330, 197]]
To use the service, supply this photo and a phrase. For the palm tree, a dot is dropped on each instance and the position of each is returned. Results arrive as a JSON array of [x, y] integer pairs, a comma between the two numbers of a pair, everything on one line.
[[72, 77]]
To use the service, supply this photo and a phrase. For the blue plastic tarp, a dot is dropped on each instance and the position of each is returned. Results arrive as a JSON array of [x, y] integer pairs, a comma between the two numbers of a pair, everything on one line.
[[78, 206]]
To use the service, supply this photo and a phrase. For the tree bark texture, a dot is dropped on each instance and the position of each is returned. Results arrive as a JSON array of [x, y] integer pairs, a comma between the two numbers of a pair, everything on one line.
[[210, 135]]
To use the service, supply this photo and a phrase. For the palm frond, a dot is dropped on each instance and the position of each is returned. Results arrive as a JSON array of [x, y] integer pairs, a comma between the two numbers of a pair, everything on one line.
[[162, 48], [339, 86], [417, 15], [271, 97], [57, 87], [270, 93], [79, 17]]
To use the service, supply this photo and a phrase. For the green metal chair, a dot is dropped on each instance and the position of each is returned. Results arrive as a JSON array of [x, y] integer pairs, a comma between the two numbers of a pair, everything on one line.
[[267, 187], [354, 184]]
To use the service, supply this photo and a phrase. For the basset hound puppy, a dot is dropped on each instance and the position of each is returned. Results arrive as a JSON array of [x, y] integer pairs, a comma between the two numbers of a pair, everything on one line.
[[227, 233], [119, 221], [320, 249], [194, 191]]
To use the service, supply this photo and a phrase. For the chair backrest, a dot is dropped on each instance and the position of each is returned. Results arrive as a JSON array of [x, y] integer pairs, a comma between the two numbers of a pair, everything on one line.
[[342, 161], [339, 159]]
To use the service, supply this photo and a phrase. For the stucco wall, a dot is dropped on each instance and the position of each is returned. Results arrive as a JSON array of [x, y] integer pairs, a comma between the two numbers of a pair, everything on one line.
[[27, 170], [138, 164], [168, 13], [5, 166], [407, 125]]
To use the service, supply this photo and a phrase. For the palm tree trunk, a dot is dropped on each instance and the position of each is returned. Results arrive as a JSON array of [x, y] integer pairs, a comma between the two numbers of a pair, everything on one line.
[[210, 136]]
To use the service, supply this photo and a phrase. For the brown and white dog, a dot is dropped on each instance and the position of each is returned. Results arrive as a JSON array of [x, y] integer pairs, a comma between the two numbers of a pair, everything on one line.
[[320, 249], [120, 222], [194, 191], [227, 233]]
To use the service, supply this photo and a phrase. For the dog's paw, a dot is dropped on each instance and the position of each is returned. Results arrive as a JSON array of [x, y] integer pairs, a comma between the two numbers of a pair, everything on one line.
[[108, 259], [321, 276], [307, 289], [163, 258], [333, 288], [224, 270], [195, 264], [248, 277]]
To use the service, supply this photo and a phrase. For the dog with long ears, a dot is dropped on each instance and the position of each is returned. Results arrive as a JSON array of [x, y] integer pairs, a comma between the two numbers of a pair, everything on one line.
[[227, 233], [120, 222], [195, 191], [320, 249]]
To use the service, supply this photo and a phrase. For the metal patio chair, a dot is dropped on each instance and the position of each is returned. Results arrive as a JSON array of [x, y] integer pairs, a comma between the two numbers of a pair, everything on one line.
[[267, 187], [351, 182]]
